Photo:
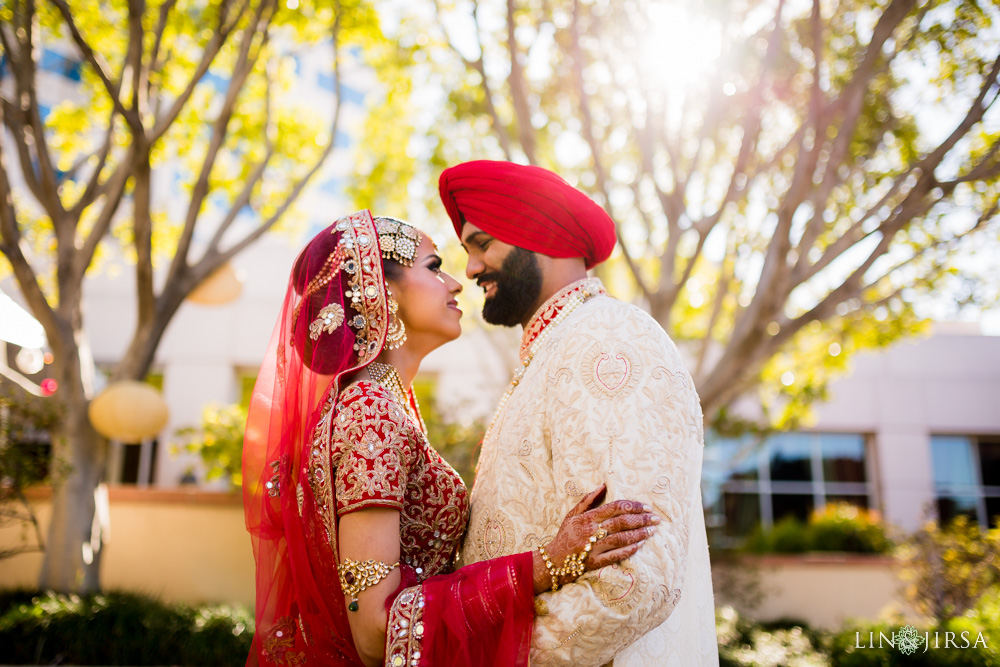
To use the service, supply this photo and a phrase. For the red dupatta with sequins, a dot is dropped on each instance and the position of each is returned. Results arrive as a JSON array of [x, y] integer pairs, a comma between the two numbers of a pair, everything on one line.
[[333, 322]]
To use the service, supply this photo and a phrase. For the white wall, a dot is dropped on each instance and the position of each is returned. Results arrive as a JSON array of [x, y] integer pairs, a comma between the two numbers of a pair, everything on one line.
[[947, 383]]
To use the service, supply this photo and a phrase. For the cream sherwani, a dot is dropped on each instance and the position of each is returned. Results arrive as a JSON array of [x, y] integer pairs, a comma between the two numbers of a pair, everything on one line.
[[605, 399]]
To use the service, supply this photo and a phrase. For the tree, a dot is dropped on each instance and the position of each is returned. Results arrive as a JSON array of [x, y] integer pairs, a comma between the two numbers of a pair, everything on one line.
[[947, 569], [21, 464], [789, 179], [198, 88]]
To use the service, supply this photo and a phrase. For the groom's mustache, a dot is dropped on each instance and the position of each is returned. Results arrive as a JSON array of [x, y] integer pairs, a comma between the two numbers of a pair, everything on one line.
[[498, 277], [492, 277]]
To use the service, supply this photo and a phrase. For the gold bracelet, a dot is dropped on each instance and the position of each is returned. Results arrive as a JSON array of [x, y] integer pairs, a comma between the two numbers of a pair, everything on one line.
[[573, 565], [357, 576], [550, 567]]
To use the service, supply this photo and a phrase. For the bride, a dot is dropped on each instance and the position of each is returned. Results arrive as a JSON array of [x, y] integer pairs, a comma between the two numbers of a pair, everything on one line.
[[355, 519]]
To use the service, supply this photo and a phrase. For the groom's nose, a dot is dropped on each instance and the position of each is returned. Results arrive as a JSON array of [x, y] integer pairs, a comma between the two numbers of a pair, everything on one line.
[[473, 267]]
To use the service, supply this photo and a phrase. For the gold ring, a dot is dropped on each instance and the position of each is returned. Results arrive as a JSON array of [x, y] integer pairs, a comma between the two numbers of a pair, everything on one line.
[[601, 534]]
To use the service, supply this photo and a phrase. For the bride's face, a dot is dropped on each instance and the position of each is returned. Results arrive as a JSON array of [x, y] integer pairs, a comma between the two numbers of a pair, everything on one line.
[[427, 299]]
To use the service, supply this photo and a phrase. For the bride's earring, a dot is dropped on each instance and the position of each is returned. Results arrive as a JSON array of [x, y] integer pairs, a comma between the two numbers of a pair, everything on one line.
[[396, 334]]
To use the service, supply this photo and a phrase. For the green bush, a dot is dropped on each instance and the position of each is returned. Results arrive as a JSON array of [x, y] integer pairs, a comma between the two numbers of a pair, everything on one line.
[[838, 527], [743, 643], [948, 569], [120, 629], [844, 527], [219, 442], [984, 618], [791, 643]]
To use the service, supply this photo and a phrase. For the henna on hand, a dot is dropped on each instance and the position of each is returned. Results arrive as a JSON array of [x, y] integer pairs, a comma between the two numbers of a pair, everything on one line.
[[627, 524]]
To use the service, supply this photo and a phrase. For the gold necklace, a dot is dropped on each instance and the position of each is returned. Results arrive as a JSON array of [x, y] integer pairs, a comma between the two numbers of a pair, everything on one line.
[[388, 377]]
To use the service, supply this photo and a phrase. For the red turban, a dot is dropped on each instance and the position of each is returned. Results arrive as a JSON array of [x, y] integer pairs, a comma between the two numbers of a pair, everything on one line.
[[529, 207]]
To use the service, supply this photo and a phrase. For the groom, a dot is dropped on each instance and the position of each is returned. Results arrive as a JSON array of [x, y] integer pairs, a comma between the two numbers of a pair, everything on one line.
[[601, 396]]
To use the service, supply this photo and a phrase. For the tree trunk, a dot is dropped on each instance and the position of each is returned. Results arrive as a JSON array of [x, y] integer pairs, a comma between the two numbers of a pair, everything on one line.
[[72, 553], [79, 455]]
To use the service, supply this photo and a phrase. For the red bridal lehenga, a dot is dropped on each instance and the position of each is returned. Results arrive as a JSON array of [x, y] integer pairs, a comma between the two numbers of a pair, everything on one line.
[[317, 448]]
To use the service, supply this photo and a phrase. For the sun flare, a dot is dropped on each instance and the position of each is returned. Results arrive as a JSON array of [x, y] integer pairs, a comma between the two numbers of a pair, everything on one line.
[[679, 47]]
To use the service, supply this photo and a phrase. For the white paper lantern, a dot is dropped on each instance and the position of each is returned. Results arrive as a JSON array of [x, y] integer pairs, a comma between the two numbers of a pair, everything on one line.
[[128, 411]]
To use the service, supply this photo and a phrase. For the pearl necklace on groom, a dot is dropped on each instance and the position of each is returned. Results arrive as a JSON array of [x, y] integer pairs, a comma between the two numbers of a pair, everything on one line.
[[541, 326]]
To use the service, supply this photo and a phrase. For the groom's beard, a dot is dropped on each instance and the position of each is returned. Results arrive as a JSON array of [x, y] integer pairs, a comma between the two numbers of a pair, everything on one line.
[[518, 284]]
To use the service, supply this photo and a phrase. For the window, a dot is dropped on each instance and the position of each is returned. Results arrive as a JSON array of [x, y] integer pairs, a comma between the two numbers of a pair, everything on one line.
[[750, 481], [137, 462], [967, 477]]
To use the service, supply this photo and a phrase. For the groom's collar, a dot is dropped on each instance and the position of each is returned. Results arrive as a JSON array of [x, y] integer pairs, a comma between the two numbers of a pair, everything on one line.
[[549, 313]]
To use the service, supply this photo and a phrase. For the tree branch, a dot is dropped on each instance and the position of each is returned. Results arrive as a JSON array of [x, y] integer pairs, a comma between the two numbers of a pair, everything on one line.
[[304, 180], [925, 167], [479, 66], [854, 92], [23, 117], [245, 62], [91, 190], [133, 57], [10, 245], [153, 63], [721, 292], [215, 44], [270, 135], [522, 110], [100, 67], [113, 189], [15, 124]]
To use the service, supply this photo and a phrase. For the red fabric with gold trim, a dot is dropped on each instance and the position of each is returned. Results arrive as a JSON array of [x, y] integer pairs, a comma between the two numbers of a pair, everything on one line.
[[383, 459], [529, 207]]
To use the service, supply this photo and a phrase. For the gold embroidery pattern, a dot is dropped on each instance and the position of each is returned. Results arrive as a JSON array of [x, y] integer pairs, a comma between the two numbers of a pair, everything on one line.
[[328, 319], [382, 458], [398, 240], [280, 641], [372, 452], [273, 485], [366, 283], [495, 534], [618, 585], [318, 470], [405, 629], [611, 371]]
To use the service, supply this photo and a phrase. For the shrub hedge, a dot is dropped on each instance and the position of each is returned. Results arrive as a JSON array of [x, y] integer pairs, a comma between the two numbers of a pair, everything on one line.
[[118, 628], [129, 629], [838, 527]]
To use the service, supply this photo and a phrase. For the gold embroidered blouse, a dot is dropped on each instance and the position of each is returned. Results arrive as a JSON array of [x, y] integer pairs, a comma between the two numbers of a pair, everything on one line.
[[381, 458]]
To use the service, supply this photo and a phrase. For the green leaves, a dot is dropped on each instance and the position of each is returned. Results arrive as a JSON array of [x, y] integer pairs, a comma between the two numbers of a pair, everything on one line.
[[947, 569], [218, 441]]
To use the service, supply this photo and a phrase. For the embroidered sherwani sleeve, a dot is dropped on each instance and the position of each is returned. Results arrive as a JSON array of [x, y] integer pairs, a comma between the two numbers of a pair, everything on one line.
[[620, 408]]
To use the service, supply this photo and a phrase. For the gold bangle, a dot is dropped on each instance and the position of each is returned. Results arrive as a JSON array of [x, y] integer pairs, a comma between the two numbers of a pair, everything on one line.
[[550, 567], [573, 565], [357, 576]]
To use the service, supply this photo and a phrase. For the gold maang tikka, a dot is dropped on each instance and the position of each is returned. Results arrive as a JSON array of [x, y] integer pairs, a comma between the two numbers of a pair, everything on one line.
[[397, 240]]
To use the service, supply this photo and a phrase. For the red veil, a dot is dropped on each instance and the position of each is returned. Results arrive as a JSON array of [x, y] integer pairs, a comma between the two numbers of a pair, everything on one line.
[[481, 614]]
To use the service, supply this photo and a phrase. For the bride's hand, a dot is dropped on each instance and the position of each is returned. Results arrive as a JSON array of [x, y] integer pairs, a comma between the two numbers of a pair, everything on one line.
[[614, 532]]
